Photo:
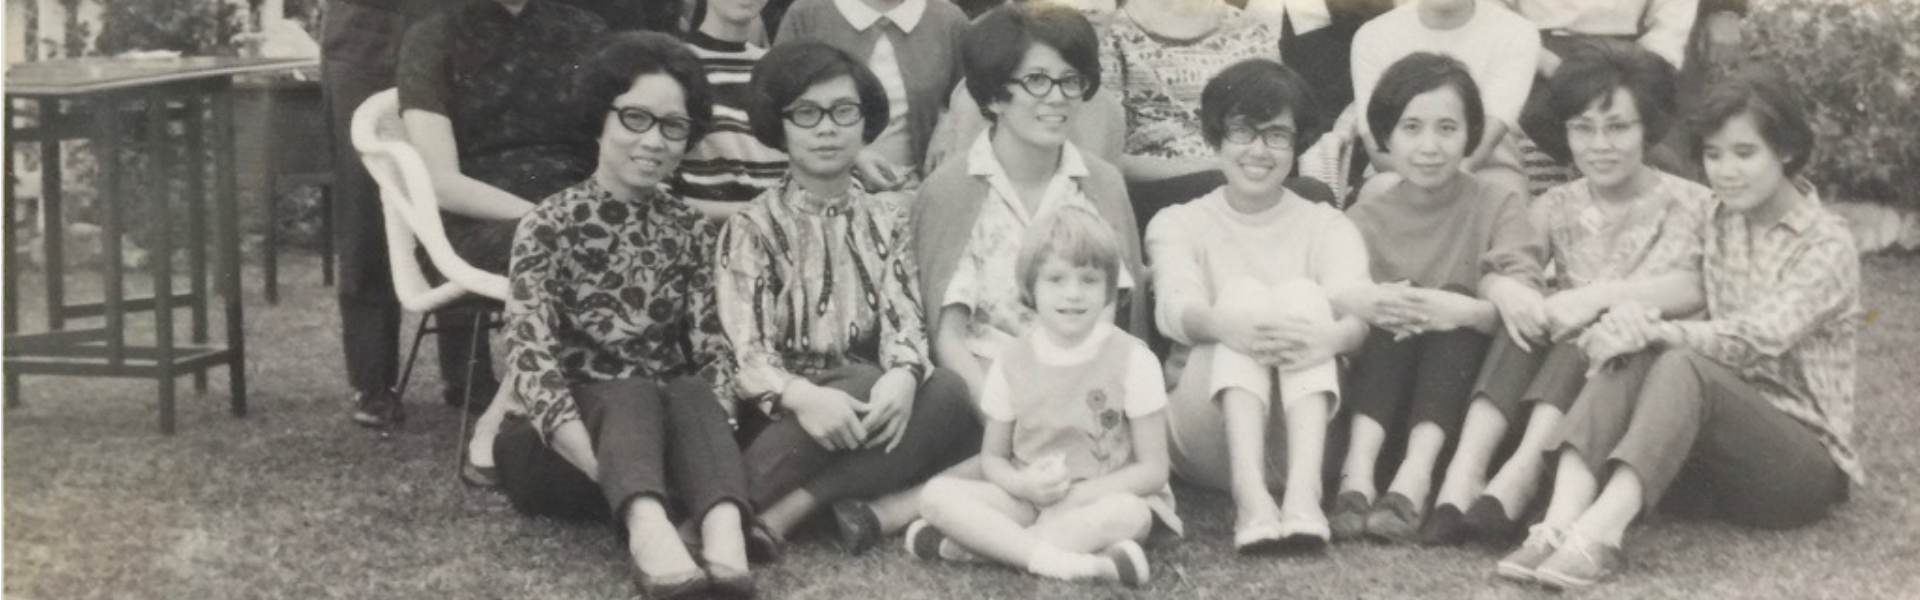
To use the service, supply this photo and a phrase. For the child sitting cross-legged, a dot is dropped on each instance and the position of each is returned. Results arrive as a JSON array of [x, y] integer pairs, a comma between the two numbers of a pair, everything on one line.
[[1075, 449]]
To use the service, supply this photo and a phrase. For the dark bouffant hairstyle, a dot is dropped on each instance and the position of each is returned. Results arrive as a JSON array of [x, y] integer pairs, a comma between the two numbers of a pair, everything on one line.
[[1769, 95], [1417, 74], [996, 43], [1257, 90], [625, 57], [790, 69], [1594, 70]]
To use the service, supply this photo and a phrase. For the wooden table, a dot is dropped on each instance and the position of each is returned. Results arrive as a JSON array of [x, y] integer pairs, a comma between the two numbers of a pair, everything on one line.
[[134, 104]]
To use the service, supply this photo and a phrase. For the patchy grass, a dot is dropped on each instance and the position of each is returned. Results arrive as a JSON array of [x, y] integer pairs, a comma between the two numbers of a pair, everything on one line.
[[294, 501]]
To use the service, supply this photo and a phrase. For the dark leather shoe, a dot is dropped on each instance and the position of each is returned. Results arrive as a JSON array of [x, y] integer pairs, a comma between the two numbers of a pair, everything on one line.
[[1394, 519], [689, 584], [1487, 519], [764, 545], [478, 477], [379, 409], [1348, 519], [729, 583], [1445, 527], [859, 528]]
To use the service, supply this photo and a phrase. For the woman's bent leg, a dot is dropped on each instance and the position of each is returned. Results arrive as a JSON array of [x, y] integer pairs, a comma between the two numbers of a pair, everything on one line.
[[1382, 376], [941, 432], [1443, 379], [706, 470]]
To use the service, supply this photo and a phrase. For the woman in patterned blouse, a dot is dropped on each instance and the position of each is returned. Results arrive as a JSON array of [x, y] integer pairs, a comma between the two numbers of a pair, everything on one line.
[[613, 329], [1624, 231], [1746, 416], [817, 291]]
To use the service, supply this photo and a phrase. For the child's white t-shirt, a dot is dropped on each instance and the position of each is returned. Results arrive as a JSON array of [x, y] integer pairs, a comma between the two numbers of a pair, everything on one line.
[[1146, 387]]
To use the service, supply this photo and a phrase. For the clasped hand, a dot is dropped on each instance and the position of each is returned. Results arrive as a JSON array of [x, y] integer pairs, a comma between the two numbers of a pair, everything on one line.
[[1407, 311], [1281, 340], [838, 421], [1626, 328]]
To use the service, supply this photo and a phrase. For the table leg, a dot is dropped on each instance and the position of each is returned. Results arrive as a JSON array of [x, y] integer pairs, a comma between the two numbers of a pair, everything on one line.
[[230, 221], [160, 190], [9, 260], [53, 225], [270, 254], [106, 150], [196, 169]]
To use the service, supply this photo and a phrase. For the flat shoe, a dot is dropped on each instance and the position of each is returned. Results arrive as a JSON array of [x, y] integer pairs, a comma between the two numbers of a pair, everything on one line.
[[1520, 565], [1394, 519], [859, 528], [687, 584], [1445, 527], [476, 476], [1304, 535], [1262, 536], [730, 583], [1348, 519], [1487, 519], [1580, 563], [923, 540], [764, 546]]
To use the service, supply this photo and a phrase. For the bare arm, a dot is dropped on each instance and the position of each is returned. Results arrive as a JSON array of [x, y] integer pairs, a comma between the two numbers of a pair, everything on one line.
[[432, 135]]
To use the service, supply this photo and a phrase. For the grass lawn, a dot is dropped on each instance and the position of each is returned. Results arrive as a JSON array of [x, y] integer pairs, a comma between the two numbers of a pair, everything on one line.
[[294, 501]]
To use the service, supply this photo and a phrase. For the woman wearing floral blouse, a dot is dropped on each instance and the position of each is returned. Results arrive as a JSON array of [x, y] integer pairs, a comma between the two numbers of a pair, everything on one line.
[[817, 291], [613, 329]]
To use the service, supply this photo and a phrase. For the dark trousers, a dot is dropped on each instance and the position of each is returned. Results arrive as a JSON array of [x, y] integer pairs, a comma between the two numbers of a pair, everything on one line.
[[669, 442], [941, 432], [1514, 379], [1426, 378], [1693, 426], [361, 46]]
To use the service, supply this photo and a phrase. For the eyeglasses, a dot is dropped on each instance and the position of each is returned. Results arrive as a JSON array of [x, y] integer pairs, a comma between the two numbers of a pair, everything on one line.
[[1616, 131], [810, 115], [638, 120], [1038, 85], [1277, 138]]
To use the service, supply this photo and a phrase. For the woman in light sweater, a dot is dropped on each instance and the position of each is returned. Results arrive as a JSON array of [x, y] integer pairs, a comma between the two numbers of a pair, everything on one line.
[[1244, 277]]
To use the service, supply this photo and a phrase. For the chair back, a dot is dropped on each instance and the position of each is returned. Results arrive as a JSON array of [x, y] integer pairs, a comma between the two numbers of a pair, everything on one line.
[[412, 211]]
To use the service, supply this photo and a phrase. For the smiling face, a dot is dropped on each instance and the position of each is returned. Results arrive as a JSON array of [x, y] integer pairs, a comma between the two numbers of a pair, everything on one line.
[[1253, 168], [1430, 139], [631, 163], [1068, 299], [827, 149], [1609, 144], [1039, 121], [1744, 170]]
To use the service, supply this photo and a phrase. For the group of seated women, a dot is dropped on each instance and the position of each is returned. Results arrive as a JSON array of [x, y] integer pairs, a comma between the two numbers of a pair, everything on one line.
[[965, 352]]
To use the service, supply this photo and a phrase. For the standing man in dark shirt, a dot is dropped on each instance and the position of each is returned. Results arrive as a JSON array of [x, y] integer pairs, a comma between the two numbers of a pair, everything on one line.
[[360, 48]]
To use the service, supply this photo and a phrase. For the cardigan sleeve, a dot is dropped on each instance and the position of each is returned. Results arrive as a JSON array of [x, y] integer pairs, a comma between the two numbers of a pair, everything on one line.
[[1514, 248], [1173, 240]]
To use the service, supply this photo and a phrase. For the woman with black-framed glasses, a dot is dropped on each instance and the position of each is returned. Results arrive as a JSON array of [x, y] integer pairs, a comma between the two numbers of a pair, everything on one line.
[[614, 333], [817, 291]]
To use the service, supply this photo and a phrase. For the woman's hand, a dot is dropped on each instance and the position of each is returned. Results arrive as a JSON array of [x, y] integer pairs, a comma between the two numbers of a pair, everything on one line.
[[829, 415], [1603, 345], [1444, 311], [888, 408], [1522, 310], [1569, 312], [1390, 306], [877, 173], [1301, 342], [1634, 321]]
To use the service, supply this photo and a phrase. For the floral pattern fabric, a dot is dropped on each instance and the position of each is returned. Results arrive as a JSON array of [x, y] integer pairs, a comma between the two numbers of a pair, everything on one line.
[[1784, 306], [806, 285], [603, 289], [1656, 233], [1159, 79]]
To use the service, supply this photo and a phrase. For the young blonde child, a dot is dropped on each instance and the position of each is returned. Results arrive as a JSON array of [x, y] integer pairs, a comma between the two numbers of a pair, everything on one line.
[[1075, 448]]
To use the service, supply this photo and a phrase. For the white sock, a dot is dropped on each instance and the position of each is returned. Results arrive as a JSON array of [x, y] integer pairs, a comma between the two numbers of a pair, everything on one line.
[[1048, 561]]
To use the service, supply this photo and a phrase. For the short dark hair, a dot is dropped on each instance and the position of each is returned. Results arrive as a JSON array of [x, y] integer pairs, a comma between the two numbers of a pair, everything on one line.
[[994, 45], [1258, 90], [1417, 74], [788, 70], [1769, 95], [1595, 69], [626, 56]]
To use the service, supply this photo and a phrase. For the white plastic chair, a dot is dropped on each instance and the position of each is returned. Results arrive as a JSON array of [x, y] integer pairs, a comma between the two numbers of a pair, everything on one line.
[[412, 212]]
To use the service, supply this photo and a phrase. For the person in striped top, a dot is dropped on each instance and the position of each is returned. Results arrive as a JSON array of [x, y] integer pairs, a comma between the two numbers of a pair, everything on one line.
[[729, 167]]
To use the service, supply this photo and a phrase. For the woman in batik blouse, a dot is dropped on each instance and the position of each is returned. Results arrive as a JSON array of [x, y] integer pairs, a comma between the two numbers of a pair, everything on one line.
[[818, 293], [612, 326], [1745, 416]]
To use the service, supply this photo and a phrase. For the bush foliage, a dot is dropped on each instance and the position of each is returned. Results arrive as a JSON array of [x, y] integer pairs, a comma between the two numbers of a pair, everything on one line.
[[1859, 64]]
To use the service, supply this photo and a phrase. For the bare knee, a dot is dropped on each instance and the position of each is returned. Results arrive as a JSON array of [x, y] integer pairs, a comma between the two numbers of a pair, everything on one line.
[[1124, 513], [937, 499]]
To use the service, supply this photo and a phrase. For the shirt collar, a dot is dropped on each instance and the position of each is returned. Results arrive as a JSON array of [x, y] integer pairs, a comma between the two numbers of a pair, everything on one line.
[[982, 163], [906, 15], [1802, 218]]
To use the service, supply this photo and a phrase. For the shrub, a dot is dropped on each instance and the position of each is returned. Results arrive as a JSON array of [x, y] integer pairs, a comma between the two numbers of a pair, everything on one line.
[[191, 27], [1859, 64]]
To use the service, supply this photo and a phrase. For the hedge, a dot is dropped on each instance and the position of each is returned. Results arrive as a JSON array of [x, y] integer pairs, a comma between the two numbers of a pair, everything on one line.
[[1859, 63]]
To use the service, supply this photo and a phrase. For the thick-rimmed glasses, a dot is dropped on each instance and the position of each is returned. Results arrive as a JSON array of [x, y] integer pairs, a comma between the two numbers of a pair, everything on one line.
[[1038, 85], [810, 115], [1615, 131], [638, 120], [1277, 138]]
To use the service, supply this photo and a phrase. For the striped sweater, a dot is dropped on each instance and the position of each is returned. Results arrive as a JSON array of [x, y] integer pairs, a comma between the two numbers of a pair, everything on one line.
[[728, 167]]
